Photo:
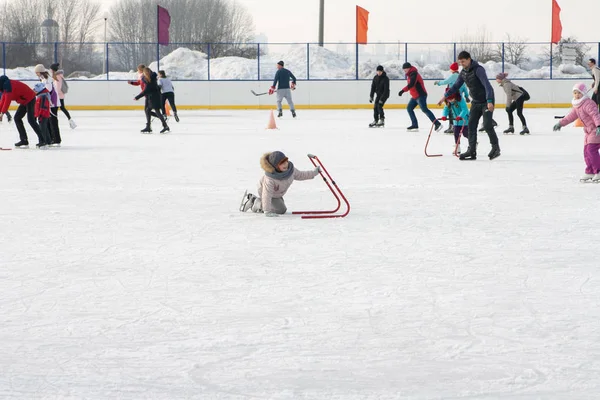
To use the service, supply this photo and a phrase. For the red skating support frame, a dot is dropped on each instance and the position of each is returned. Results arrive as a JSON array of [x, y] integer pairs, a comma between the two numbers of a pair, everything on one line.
[[427, 143], [337, 193]]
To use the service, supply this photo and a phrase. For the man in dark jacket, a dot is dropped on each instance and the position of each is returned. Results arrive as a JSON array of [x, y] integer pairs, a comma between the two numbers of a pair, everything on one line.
[[482, 104], [416, 87], [284, 88], [381, 88]]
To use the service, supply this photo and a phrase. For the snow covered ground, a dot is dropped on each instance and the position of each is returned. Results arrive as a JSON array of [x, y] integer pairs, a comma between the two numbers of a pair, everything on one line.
[[127, 272]]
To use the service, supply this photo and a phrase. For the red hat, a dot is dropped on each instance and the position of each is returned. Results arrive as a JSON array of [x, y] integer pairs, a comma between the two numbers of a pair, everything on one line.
[[455, 96], [454, 67]]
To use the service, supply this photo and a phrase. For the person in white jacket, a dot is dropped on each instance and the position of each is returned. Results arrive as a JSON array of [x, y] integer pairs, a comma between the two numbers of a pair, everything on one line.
[[61, 89]]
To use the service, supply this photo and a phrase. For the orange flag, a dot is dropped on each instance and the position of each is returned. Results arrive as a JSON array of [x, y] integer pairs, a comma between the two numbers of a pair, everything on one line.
[[556, 24], [362, 25]]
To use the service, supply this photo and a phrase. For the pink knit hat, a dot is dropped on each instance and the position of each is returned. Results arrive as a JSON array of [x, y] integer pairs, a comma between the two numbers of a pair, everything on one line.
[[581, 88]]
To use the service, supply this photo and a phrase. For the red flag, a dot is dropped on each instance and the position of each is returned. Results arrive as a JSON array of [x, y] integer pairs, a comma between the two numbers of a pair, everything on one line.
[[362, 25], [163, 24], [556, 24]]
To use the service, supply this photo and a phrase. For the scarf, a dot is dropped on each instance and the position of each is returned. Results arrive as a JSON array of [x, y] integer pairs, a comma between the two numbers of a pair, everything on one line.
[[282, 175], [576, 102]]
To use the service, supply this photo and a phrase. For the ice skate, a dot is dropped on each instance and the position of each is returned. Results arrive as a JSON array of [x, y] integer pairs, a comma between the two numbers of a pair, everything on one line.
[[587, 177], [525, 131], [72, 124], [495, 152], [147, 129], [165, 129], [438, 126], [380, 123], [22, 145], [293, 114], [510, 129], [373, 124], [176, 117], [450, 130], [470, 154], [279, 114], [596, 178], [41, 146], [247, 201], [413, 128]]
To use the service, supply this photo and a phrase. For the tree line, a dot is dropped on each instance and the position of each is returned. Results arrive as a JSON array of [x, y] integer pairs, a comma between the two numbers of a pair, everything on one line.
[[131, 24]]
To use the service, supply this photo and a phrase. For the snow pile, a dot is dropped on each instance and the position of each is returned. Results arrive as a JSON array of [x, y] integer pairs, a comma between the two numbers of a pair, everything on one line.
[[184, 63]]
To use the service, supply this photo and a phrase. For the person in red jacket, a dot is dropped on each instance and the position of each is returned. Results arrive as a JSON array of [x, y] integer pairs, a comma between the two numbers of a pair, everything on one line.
[[25, 97], [416, 87], [42, 113]]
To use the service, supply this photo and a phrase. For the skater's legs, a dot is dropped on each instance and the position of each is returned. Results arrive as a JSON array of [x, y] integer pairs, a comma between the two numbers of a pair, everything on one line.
[[277, 205], [519, 105], [422, 100], [280, 97], [489, 126], [288, 98], [474, 116], [45, 130], [21, 111], [592, 158], [171, 97], [32, 120], [412, 103], [64, 109], [54, 128], [163, 102]]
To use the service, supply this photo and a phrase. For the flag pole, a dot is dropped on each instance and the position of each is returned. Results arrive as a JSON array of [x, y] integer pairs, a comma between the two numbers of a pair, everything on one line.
[[157, 38], [551, 32]]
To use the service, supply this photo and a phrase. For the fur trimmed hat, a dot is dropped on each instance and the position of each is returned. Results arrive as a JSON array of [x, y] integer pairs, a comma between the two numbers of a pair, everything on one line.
[[276, 158]]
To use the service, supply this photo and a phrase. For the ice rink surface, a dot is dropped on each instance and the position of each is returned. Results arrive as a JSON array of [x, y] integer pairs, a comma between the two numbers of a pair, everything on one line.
[[127, 272]]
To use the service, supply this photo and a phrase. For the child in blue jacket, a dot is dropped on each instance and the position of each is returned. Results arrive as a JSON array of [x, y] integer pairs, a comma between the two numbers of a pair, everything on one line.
[[463, 91], [457, 106]]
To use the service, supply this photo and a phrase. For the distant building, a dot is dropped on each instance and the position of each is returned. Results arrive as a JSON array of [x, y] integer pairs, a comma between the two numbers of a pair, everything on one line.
[[49, 30]]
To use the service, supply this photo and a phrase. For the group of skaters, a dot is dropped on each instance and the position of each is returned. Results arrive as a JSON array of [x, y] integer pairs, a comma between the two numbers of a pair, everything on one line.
[[157, 89], [40, 105], [470, 85]]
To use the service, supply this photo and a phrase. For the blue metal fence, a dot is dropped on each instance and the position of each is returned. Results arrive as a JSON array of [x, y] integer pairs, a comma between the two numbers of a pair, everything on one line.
[[308, 61]]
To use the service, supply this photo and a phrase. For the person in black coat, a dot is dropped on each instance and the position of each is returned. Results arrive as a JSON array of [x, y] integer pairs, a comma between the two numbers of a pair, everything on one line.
[[381, 88], [153, 101]]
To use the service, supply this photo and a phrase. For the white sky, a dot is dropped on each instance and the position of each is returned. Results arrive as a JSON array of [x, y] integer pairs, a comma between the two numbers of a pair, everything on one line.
[[421, 20]]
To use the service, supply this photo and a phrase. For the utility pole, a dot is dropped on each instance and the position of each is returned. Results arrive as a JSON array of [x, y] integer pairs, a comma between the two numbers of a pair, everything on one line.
[[321, 22]]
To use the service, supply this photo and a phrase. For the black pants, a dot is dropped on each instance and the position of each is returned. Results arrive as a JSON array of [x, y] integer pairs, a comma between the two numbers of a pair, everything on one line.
[[516, 105], [45, 130], [152, 111], [28, 109], [64, 109], [8, 115], [54, 128], [596, 98], [171, 97], [378, 112], [479, 110]]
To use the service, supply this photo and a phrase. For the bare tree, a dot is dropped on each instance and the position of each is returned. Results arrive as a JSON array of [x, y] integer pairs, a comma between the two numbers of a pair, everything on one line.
[[21, 27], [479, 45], [581, 51], [226, 25], [513, 50]]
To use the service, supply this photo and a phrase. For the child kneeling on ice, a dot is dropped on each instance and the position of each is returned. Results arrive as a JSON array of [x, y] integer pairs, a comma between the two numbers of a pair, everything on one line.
[[279, 176], [457, 107], [586, 110]]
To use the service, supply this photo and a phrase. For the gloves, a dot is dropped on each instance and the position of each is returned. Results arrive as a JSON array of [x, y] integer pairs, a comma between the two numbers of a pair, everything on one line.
[[458, 119], [271, 214], [444, 118], [598, 131], [468, 100], [293, 86], [436, 83], [400, 93], [558, 126], [271, 90], [318, 169], [370, 99], [381, 102]]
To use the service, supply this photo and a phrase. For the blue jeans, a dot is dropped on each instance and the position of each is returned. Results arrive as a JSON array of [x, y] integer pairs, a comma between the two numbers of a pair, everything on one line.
[[422, 102]]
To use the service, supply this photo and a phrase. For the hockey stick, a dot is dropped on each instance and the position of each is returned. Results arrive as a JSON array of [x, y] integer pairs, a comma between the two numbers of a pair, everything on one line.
[[427, 143], [261, 94], [326, 214]]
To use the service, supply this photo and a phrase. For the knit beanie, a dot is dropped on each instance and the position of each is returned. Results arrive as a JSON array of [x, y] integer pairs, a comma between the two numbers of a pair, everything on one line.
[[54, 67], [276, 158], [379, 68], [501, 76], [280, 63], [581, 88], [39, 68], [406, 65], [454, 67]]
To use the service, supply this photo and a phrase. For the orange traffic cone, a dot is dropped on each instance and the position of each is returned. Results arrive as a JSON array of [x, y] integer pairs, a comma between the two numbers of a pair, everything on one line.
[[272, 124], [168, 109], [578, 123]]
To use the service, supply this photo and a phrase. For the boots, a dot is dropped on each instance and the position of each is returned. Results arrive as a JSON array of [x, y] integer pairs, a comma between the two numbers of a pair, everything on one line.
[[280, 114], [495, 152], [470, 154], [381, 123], [450, 129], [525, 131], [147, 129], [373, 124], [511, 129]]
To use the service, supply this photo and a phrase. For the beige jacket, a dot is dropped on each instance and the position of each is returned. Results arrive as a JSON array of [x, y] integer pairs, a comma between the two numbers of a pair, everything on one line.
[[512, 91], [269, 188], [596, 75]]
